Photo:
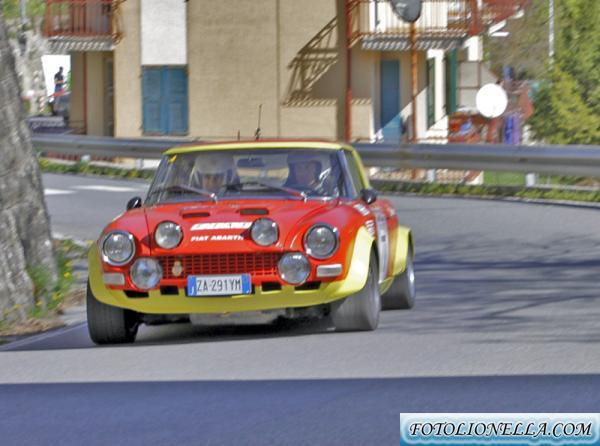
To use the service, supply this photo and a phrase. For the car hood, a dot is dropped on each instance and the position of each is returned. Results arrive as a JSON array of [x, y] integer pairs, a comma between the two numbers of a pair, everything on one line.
[[221, 227]]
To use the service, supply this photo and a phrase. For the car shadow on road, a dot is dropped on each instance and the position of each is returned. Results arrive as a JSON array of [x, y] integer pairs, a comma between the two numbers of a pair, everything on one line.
[[467, 286]]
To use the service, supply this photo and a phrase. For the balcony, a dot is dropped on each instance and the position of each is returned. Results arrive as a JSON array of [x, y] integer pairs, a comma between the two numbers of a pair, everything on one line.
[[443, 23], [81, 25]]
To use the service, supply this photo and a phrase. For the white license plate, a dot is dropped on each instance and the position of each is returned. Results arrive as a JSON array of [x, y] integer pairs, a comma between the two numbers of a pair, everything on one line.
[[219, 285]]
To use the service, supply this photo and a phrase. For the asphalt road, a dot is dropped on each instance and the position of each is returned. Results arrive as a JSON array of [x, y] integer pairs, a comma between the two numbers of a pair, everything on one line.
[[506, 320], [81, 206]]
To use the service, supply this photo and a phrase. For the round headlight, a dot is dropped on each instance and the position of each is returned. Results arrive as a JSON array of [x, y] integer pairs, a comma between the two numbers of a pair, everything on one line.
[[118, 248], [294, 268], [264, 232], [168, 235], [145, 273], [321, 241]]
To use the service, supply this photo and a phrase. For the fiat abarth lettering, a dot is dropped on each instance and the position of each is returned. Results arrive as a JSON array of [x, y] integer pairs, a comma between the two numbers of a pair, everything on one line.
[[285, 229]]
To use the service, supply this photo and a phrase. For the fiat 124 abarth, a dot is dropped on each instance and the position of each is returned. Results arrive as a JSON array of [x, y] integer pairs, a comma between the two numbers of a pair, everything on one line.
[[282, 229]]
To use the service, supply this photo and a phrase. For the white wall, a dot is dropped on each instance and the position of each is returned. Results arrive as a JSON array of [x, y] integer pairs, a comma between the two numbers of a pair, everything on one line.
[[164, 32], [474, 48]]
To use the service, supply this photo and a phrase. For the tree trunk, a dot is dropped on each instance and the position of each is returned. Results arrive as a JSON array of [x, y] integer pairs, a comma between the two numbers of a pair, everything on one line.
[[25, 243]]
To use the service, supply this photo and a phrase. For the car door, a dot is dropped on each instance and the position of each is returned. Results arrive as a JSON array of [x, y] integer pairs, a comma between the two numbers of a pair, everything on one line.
[[377, 211]]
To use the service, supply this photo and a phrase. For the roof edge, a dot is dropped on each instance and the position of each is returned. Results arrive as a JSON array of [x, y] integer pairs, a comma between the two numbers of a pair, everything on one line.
[[263, 144]]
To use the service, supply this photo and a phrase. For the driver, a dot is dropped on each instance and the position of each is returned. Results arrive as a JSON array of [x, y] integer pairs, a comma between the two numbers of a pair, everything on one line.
[[305, 171], [212, 171]]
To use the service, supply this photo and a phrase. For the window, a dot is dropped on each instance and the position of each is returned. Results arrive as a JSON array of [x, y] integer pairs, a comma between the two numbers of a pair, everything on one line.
[[355, 176], [165, 100]]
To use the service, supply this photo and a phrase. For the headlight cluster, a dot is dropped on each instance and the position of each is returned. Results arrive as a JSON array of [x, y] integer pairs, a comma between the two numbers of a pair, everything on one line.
[[264, 232], [118, 248], [168, 235], [321, 241]]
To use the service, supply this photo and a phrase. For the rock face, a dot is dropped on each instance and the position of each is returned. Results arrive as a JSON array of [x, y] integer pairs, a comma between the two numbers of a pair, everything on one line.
[[28, 64], [24, 225]]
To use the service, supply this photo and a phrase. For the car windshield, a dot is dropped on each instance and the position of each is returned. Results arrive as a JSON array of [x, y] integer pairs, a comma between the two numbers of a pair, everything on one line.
[[297, 174]]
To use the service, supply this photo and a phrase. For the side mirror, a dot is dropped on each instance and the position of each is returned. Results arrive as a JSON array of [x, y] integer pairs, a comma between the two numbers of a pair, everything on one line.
[[134, 203], [369, 196]]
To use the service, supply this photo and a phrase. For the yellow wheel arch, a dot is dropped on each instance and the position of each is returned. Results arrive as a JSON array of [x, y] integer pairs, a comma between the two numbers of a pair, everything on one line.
[[404, 246]]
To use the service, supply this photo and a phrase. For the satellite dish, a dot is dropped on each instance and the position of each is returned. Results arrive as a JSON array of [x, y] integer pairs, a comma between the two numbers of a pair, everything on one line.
[[491, 100], [407, 10]]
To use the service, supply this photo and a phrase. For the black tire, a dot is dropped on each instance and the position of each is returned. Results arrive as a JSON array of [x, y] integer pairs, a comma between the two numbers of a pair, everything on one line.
[[402, 294], [108, 324], [360, 312]]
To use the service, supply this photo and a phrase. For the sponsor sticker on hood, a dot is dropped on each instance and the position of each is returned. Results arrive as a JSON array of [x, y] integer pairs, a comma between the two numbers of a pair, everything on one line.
[[221, 225], [217, 238]]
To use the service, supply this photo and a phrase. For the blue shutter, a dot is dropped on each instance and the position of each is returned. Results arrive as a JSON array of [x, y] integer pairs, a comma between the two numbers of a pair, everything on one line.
[[151, 86], [176, 101], [390, 100], [165, 101]]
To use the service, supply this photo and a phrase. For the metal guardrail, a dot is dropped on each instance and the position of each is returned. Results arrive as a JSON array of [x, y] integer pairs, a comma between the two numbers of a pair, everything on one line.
[[102, 146], [561, 160]]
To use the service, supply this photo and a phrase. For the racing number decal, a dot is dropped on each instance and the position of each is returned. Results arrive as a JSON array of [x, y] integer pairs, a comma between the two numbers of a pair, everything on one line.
[[383, 243]]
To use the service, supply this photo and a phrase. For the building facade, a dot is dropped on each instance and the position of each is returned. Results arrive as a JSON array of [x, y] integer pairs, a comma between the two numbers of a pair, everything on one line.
[[311, 68]]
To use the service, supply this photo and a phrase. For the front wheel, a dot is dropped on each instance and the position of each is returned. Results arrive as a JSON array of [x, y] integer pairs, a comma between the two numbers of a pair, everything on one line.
[[108, 324], [360, 312], [402, 294]]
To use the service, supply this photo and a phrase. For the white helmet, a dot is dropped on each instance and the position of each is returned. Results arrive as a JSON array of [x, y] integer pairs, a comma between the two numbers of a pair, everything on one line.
[[213, 164]]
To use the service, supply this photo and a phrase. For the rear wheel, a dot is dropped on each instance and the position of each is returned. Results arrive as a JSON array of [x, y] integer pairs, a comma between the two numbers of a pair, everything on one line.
[[402, 293], [360, 312], [108, 324]]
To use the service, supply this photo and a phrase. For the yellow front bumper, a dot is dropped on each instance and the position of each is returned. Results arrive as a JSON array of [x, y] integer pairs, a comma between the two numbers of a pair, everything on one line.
[[288, 297]]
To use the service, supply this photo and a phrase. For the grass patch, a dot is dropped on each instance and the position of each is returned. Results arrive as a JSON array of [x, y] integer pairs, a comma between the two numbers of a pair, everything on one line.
[[81, 168], [48, 295], [504, 178], [48, 298], [488, 191]]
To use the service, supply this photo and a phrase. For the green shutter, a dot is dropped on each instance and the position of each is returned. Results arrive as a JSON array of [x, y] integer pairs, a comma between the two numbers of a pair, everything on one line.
[[451, 81], [430, 92]]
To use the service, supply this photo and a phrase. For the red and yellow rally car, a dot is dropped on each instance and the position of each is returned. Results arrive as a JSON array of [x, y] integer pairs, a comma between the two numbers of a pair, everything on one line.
[[277, 228]]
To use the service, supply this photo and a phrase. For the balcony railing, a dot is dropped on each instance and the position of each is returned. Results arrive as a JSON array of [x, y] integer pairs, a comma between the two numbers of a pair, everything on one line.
[[80, 18], [439, 18]]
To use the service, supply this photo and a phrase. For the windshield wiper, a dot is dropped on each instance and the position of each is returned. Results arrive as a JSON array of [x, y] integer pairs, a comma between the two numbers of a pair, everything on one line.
[[297, 193], [182, 188]]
